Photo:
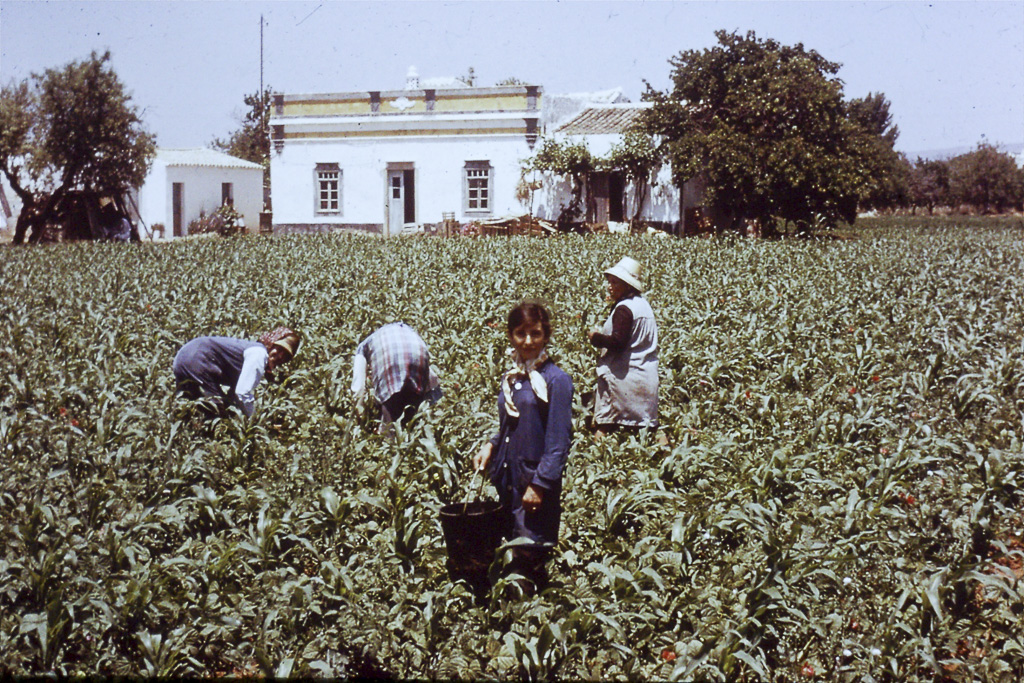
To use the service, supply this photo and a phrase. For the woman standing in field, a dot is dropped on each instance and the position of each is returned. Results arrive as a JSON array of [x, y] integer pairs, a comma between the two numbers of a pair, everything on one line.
[[527, 456], [205, 365], [627, 370]]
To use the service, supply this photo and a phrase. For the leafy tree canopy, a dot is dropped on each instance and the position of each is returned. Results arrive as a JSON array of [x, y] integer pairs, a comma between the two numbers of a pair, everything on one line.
[[252, 140], [765, 125], [929, 183], [72, 128], [987, 179], [638, 158], [886, 172]]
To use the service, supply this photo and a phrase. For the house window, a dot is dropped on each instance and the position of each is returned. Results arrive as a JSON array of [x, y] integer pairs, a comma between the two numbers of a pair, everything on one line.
[[328, 189], [477, 187], [227, 194]]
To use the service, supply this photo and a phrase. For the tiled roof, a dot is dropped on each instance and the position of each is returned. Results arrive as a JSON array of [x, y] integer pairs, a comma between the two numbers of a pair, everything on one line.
[[201, 156], [601, 121]]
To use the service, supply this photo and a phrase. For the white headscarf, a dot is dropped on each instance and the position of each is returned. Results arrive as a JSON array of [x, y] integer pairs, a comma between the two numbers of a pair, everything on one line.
[[529, 370]]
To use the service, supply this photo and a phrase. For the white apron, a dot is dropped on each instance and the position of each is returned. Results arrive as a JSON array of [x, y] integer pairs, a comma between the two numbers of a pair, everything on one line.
[[627, 380]]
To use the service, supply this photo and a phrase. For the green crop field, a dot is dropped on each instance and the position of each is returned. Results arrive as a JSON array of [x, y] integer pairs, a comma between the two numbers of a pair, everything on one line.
[[840, 498]]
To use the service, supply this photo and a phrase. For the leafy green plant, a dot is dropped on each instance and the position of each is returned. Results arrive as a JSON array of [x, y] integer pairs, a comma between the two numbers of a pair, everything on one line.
[[839, 498]]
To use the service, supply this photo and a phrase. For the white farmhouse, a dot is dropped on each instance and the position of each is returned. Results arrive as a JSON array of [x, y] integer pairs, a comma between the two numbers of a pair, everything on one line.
[[388, 161], [383, 161], [183, 184]]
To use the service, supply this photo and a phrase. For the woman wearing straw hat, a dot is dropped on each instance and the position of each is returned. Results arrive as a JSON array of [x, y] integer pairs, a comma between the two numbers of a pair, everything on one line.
[[205, 365], [627, 370]]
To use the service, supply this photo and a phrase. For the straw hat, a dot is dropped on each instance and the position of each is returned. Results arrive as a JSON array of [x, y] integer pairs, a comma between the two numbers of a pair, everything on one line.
[[283, 337], [289, 344], [627, 270]]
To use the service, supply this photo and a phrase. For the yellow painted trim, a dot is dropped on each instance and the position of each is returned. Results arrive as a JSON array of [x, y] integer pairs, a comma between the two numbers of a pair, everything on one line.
[[404, 133], [346, 108], [482, 103], [469, 103]]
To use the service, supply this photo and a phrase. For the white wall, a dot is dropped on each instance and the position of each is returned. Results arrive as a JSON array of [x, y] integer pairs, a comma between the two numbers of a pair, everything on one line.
[[154, 202], [439, 164], [663, 198], [202, 194]]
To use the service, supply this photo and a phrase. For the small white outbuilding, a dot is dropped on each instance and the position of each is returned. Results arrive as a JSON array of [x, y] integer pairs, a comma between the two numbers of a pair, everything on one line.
[[186, 183]]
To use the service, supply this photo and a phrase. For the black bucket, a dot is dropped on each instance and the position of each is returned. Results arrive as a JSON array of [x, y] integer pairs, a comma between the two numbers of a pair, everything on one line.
[[472, 532]]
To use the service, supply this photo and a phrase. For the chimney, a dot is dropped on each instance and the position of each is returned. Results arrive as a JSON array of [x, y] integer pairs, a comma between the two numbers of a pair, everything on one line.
[[412, 79]]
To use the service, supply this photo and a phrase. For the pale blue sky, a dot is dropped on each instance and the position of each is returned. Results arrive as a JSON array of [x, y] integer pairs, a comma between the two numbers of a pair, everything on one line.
[[954, 71]]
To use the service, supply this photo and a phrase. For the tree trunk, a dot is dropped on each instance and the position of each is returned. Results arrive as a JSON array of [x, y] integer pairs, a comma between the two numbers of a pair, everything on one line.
[[21, 227]]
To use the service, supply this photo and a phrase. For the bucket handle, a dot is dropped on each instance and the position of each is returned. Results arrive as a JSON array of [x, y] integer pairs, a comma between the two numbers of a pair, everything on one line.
[[479, 490]]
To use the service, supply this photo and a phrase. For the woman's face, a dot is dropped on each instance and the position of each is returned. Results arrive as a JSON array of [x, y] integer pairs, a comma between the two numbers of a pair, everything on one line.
[[276, 357], [617, 289], [528, 339]]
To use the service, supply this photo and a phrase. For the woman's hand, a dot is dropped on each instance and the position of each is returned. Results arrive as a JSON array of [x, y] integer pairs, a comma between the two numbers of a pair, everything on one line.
[[481, 459], [593, 331], [532, 498]]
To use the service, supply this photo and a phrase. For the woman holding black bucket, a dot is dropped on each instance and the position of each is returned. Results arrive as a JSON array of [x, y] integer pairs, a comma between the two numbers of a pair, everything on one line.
[[527, 456]]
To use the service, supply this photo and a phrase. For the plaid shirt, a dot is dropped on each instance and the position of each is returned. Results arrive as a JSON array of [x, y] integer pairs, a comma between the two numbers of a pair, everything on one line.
[[395, 354]]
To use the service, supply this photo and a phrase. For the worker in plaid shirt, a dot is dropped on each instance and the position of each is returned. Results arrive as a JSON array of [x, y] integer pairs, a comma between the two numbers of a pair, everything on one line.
[[402, 378]]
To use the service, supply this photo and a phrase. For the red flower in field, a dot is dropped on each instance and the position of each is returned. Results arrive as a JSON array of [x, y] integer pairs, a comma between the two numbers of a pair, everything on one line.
[[807, 670], [850, 328], [668, 655], [476, 365], [908, 499], [854, 625], [747, 394], [883, 450], [74, 422], [915, 415], [63, 411], [876, 378], [853, 390]]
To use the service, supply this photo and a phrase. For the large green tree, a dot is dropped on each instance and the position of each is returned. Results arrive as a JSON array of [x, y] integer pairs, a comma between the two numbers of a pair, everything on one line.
[[929, 184], [986, 179], [886, 172], [251, 141], [70, 129], [766, 127]]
